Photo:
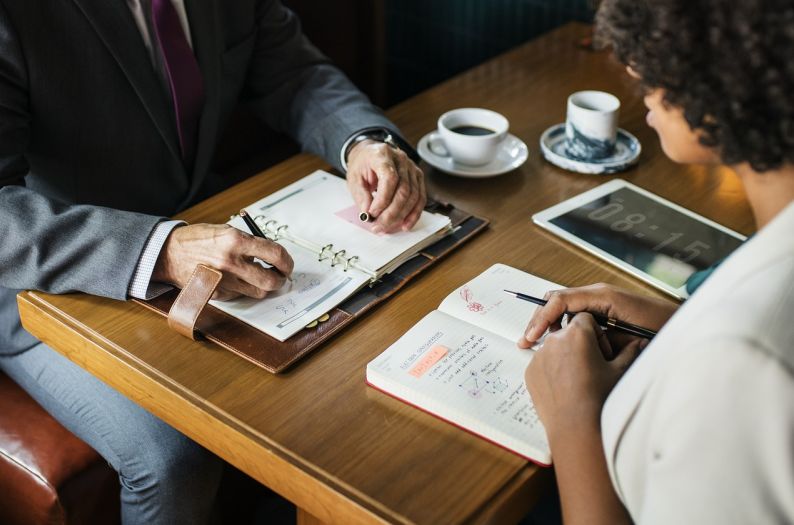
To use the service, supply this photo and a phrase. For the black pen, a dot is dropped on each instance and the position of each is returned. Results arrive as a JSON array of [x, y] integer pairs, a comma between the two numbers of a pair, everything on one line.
[[604, 321], [256, 232]]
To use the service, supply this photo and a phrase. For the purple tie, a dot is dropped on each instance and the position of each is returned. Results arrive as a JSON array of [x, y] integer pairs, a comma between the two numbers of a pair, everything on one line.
[[184, 76]]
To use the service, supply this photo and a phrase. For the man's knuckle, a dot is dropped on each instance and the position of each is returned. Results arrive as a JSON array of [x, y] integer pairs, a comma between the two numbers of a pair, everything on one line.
[[232, 233], [388, 216], [403, 193], [231, 238], [274, 281], [276, 250], [226, 263]]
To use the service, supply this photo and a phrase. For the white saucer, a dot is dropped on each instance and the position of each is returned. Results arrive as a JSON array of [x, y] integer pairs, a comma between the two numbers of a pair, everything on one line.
[[512, 154], [554, 148]]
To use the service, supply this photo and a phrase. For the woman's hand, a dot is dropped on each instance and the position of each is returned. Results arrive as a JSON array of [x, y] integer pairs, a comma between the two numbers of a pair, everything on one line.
[[570, 376], [226, 249], [603, 299]]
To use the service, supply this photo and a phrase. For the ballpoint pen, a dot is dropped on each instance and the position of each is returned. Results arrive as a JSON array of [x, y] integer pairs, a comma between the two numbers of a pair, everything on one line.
[[602, 320], [257, 232]]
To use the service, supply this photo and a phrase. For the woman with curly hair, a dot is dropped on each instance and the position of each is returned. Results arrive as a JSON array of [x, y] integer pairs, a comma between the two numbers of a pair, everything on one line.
[[700, 427]]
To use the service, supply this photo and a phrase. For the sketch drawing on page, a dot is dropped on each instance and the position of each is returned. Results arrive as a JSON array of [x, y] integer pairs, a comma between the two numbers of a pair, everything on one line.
[[475, 385], [471, 304]]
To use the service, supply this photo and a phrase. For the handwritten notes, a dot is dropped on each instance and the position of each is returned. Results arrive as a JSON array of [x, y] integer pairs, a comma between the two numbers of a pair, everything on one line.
[[314, 290], [483, 302], [429, 359], [467, 375]]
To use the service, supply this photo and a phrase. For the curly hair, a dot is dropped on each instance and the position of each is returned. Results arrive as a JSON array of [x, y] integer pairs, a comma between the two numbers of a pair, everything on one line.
[[729, 65]]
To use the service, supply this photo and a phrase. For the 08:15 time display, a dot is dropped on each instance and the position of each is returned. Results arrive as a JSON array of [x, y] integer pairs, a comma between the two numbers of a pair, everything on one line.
[[629, 222]]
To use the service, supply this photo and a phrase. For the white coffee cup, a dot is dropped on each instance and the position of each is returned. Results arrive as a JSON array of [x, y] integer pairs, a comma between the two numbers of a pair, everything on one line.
[[591, 125], [470, 136]]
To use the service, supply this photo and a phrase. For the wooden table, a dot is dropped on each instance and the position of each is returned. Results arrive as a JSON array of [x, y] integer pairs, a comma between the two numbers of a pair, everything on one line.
[[317, 435]]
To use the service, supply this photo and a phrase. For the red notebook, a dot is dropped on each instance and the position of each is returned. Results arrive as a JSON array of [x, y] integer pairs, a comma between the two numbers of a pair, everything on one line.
[[460, 363]]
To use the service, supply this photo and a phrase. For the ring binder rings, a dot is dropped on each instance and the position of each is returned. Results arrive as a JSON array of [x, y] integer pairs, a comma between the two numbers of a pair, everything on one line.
[[275, 232], [246, 340]]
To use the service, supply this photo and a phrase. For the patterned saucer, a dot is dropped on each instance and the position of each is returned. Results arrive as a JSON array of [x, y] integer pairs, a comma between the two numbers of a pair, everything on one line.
[[555, 150]]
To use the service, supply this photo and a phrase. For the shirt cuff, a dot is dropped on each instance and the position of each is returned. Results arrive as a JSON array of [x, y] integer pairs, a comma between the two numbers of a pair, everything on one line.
[[142, 287]]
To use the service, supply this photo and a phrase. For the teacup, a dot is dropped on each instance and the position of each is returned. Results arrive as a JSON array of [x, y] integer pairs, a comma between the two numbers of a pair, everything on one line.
[[591, 125], [470, 136]]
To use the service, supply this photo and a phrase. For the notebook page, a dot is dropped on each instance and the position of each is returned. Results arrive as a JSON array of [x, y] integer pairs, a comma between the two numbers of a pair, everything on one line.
[[317, 208], [483, 302], [467, 376], [315, 289]]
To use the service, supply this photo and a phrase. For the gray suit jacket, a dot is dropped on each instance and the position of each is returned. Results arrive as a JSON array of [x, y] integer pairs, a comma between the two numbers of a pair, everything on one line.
[[89, 154]]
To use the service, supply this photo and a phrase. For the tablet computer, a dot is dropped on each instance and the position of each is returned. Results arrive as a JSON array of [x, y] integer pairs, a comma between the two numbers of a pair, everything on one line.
[[648, 236]]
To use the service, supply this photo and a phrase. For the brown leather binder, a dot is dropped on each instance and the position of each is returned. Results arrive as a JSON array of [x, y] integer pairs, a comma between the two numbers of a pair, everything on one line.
[[193, 317]]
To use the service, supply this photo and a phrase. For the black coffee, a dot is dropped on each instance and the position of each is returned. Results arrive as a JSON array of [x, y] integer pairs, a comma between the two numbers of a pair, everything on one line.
[[472, 130]]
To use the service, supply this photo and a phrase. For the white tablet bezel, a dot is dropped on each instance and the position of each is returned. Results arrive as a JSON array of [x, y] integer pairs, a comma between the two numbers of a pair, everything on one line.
[[543, 219]]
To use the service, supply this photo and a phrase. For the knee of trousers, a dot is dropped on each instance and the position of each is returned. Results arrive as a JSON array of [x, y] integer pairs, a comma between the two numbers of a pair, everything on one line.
[[177, 464]]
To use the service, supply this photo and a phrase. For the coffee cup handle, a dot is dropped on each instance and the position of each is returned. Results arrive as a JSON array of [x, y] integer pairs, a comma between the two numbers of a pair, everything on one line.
[[436, 145]]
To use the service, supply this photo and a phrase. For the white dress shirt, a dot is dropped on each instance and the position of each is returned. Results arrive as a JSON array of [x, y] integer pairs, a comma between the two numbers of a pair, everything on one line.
[[701, 427], [142, 21]]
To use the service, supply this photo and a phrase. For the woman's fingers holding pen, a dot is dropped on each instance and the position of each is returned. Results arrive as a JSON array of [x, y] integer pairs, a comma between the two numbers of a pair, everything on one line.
[[599, 299], [594, 299], [229, 250], [571, 376]]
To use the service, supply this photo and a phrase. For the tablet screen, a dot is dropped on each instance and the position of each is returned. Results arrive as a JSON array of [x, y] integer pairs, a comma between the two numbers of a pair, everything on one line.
[[645, 233]]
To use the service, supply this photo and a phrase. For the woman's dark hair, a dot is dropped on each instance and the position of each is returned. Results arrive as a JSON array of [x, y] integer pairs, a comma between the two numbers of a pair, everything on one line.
[[728, 64]]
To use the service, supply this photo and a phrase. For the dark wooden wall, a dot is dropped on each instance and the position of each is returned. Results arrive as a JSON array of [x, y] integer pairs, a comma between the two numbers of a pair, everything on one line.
[[428, 41], [392, 49]]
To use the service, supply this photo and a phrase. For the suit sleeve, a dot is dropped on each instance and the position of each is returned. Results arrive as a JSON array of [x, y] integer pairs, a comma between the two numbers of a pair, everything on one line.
[[295, 89], [46, 244], [722, 450]]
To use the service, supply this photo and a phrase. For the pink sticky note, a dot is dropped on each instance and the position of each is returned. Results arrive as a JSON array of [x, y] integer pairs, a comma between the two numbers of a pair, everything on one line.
[[351, 215], [433, 356]]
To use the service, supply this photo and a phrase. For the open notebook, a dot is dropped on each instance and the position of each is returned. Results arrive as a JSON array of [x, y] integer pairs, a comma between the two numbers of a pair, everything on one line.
[[461, 362], [335, 254]]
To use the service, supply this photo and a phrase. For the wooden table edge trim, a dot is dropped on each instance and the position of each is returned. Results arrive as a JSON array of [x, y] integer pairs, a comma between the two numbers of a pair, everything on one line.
[[527, 486], [328, 500]]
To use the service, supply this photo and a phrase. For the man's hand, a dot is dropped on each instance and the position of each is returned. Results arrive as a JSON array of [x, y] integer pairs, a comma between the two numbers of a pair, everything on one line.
[[398, 183], [602, 299], [570, 377], [226, 249]]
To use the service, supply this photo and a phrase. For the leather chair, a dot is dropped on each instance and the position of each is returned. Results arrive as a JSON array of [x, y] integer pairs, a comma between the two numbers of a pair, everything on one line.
[[47, 475]]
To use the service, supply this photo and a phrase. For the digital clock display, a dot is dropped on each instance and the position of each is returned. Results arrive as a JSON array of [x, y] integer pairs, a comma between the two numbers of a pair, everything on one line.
[[654, 238]]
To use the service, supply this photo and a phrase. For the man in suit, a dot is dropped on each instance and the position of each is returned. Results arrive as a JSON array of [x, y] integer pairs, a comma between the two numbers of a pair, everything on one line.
[[109, 115]]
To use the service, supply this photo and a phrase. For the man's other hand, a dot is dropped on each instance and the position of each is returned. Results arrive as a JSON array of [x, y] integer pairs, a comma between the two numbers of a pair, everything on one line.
[[226, 249], [397, 183]]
